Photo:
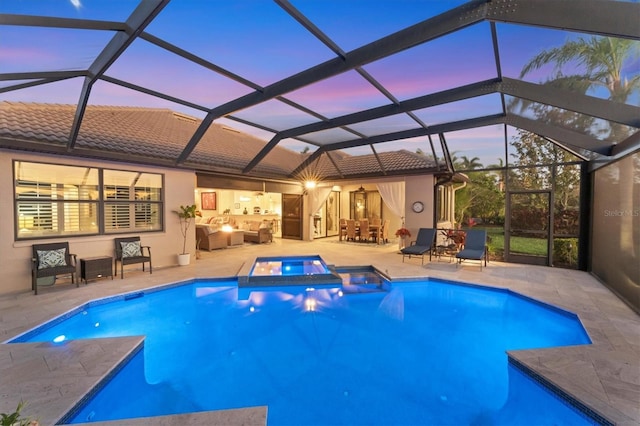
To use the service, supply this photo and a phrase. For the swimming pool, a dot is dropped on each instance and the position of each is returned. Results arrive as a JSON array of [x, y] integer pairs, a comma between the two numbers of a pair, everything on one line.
[[429, 352]]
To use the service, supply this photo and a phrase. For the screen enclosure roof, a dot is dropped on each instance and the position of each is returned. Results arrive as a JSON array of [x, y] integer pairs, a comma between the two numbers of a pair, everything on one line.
[[331, 89]]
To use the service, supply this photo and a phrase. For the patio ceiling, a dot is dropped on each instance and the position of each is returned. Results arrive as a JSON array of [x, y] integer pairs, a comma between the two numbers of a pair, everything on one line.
[[334, 79]]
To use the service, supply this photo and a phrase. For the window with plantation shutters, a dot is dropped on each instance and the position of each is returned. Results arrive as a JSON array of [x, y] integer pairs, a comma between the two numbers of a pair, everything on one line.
[[132, 201], [34, 207], [116, 208], [56, 200]]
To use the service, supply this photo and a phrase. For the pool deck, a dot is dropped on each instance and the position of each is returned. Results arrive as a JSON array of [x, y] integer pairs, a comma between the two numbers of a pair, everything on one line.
[[605, 376]]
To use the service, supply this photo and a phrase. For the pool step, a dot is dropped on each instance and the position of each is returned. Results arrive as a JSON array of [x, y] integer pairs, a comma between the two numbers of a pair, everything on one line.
[[362, 280]]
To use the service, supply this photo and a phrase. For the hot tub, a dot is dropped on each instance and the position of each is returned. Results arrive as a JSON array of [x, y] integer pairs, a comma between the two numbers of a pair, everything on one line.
[[289, 270]]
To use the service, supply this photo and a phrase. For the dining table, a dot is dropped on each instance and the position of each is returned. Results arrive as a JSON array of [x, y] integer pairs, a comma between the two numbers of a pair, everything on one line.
[[373, 229]]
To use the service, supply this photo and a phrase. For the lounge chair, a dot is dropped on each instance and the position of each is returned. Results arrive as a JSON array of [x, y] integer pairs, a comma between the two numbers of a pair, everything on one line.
[[129, 251], [49, 261], [475, 247], [425, 242]]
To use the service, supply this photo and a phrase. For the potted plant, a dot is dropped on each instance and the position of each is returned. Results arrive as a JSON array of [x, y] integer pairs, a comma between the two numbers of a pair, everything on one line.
[[16, 418], [404, 234], [185, 214]]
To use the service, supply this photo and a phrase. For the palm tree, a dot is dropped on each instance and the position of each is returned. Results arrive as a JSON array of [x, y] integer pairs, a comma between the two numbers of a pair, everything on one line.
[[601, 59], [498, 165], [500, 174], [470, 164], [595, 63]]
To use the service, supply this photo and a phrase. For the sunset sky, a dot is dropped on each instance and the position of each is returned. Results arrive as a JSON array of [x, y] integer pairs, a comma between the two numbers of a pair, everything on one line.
[[259, 41]]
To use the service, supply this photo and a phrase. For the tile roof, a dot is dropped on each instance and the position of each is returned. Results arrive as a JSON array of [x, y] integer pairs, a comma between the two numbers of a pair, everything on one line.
[[151, 135], [391, 163]]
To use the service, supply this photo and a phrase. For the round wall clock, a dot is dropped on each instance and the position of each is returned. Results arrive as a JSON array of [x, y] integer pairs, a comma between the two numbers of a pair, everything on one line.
[[417, 207]]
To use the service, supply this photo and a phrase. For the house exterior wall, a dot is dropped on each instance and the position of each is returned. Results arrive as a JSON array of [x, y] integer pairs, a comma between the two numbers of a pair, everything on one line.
[[15, 256], [419, 188]]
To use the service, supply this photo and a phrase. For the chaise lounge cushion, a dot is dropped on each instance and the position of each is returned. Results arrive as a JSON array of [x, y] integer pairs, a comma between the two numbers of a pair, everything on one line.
[[474, 254]]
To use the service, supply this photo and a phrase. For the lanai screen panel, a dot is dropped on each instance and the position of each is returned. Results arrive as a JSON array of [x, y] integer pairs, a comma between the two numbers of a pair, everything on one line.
[[616, 227], [276, 115], [420, 145], [382, 126], [256, 40], [352, 24], [464, 109], [296, 145], [330, 136], [91, 9], [340, 95], [260, 133], [147, 65], [59, 92], [463, 57], [107, 93], [526, 61], [477, 148], [64, 49]]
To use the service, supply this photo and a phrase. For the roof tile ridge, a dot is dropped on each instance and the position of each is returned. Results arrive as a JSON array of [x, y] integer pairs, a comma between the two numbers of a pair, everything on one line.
[[128, 108], [413, 154], [34, 104]]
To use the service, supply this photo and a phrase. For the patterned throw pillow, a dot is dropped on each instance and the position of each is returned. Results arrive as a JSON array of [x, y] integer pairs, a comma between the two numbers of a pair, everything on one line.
[[131, 249], [52, 258]]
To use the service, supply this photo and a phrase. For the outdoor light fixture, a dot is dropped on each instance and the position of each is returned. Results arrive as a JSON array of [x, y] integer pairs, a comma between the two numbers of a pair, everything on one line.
[[310, 184], [361, 189]]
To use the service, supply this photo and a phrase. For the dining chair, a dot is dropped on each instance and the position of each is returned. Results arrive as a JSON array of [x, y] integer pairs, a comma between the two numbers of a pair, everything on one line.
[[351, 230], [365, 232], [343, 228], [385, 231], [375, 226]]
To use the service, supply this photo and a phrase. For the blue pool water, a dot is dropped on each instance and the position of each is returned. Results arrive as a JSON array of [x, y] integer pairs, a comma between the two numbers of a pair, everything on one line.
[[289, 266], [425, 352]]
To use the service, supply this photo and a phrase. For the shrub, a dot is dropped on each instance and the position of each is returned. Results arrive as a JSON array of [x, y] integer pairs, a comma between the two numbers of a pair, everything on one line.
[[565, 251]]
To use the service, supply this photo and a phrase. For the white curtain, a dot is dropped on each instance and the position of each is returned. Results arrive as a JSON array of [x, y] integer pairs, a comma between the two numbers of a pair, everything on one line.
[[392, 194], [317, 197]]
